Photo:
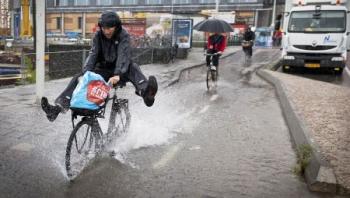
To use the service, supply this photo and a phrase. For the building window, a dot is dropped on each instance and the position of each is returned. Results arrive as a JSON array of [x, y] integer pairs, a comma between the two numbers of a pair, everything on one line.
[[128, 2], [153, 2], [61, 3], [81, 2], [206, 1], [181, 1], [80, 22], [104, 2], [58, 23]]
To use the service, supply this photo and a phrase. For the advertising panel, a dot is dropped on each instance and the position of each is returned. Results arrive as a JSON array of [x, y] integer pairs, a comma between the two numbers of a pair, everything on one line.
[[182, 32]]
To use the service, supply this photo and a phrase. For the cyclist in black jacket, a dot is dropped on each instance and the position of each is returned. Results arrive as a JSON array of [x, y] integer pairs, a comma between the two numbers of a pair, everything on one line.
[[110, 56], [249, 35]]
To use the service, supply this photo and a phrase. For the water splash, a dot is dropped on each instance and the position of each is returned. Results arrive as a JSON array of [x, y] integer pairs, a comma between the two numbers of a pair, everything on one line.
[[155, 126]]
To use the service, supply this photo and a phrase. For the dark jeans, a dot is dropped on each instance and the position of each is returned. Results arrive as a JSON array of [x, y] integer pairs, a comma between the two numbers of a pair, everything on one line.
[[134, 75], [248, 50], [215, 58]]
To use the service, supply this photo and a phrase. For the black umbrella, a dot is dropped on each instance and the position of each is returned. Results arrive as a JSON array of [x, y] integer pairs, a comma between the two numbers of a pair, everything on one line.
[[213, 25]]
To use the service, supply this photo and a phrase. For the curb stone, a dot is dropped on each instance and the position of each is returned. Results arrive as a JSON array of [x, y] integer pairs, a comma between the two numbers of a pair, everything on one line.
[[179, 72], [319, 174]]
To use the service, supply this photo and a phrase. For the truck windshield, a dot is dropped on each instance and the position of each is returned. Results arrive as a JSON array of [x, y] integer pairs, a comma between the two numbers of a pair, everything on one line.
[[320, 22]]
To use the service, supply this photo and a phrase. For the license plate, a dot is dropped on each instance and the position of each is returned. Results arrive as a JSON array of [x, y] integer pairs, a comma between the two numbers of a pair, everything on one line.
[[312, 65]]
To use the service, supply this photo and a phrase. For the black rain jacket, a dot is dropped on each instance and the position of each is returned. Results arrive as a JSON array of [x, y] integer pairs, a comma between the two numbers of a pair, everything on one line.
[[111, 54], [249, 36]]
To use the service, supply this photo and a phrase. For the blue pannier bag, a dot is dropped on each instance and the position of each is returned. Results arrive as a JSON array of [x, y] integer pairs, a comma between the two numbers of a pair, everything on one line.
[[90, 93]]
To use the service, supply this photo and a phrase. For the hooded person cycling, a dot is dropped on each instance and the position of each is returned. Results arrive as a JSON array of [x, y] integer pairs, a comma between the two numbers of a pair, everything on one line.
[[109, 56]]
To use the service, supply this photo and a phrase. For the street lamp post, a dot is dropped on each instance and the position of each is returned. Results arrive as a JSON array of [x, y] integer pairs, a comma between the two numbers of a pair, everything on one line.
[[217, 6], [40, 48], [172, 7], [273, 17], [273, 13]]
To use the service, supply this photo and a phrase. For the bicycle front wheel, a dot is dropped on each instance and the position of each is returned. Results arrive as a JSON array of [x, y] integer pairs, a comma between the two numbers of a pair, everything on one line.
[[82, 146], [211, 79], [119, 120]]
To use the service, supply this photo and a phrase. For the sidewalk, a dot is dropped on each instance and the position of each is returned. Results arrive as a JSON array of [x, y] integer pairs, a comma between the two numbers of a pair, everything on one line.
[[318, 114]]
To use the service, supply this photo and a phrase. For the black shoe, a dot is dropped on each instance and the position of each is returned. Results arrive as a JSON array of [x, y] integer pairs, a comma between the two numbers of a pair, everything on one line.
[[150, 91], [50, 110]]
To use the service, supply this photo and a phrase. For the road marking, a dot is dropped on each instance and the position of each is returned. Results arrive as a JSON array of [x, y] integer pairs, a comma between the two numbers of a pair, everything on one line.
[[204, 109], [23, 147], [214, 97], [168, 156]]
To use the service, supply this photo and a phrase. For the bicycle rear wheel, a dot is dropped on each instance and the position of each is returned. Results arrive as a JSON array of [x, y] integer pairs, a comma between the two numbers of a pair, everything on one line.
[[82, 146], [119, 120], [211, 79]]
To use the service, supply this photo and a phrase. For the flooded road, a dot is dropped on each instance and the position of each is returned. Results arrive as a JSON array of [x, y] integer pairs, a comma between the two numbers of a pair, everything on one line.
[[232, 142]]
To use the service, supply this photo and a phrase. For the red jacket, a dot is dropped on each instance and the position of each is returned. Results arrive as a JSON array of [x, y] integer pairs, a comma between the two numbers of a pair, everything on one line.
[[219, 44], [278, 34]]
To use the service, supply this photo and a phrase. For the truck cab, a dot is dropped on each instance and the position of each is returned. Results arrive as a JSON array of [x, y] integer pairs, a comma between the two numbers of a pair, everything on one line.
[[316, 34]]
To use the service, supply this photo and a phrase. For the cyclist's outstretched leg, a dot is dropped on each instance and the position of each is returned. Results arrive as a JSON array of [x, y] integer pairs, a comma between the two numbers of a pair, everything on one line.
[[62, 102], [146, 88]]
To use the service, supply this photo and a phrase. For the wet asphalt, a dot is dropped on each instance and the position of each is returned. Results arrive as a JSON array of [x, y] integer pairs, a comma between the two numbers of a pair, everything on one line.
[[232, 142]]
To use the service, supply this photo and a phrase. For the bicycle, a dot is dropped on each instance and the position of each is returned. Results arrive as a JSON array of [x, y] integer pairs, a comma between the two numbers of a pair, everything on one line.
[[212, 73], [171, 54], [247, 45], [87, 138]]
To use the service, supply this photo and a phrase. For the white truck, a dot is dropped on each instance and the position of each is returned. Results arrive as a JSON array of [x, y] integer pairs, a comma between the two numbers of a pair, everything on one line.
[[316, 34]]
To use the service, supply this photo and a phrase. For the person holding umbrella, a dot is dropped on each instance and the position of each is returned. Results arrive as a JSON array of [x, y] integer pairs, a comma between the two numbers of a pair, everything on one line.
[[216, 44]]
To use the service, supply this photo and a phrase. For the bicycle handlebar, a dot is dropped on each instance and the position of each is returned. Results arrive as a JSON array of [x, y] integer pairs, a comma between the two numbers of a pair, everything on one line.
[[217, 53]]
